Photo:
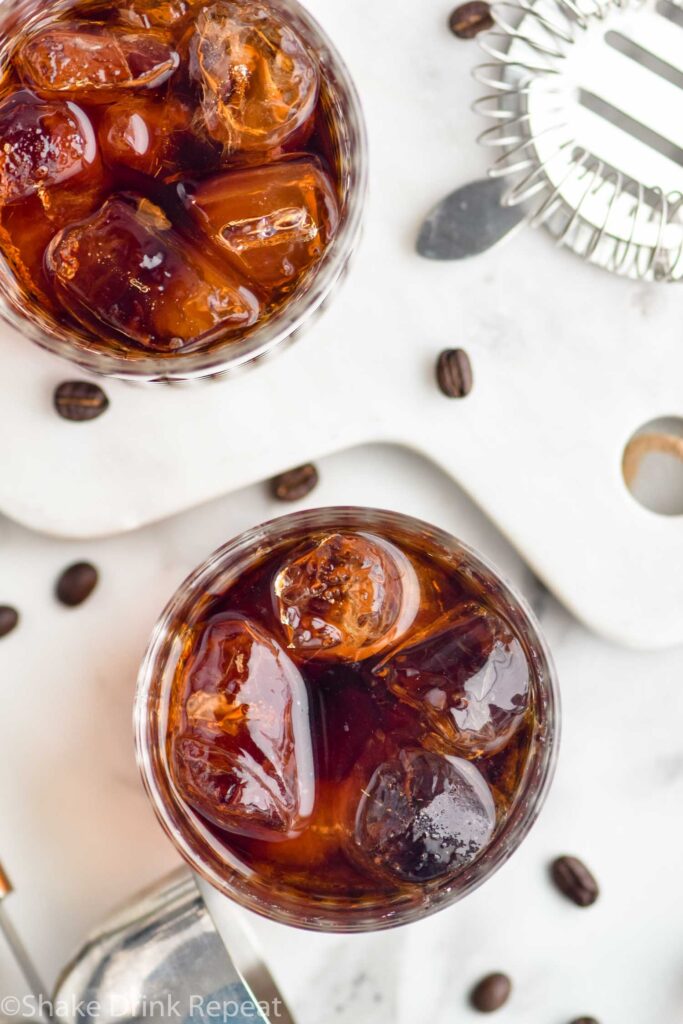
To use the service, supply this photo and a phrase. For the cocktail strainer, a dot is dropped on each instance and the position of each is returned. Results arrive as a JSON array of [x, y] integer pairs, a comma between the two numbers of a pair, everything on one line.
[[586, 100]]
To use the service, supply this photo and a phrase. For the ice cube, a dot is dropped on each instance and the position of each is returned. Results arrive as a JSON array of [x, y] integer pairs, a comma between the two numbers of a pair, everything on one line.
[[468, 674], [27, 228], [241, 749], [75, 59], [152, 136], [50, 174], [423, 816], [347, 597], [127, 270], [42, 145], [259, 83], [272, 222], [153, 13]]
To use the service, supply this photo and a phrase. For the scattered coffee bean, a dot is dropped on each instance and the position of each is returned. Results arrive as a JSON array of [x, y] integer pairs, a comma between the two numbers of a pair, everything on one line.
[[80, 400], [469, 19], [76, 583], [9, 618], [454, 373], [585, 1020], [295, 483], [575, 881], [491, 993]]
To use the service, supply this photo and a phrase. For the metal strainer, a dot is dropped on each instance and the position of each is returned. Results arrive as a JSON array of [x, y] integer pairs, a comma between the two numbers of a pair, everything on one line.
[[586, 100]]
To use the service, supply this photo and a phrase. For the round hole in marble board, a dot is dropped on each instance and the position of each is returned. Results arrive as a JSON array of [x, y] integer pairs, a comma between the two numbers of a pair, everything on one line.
[[653, 465]]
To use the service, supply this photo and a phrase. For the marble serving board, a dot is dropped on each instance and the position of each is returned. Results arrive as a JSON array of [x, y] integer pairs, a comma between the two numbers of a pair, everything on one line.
[[568, 362], [78, 835]]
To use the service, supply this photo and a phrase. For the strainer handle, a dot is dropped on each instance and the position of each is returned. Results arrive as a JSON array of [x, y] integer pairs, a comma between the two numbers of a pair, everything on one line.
[[469, 221]]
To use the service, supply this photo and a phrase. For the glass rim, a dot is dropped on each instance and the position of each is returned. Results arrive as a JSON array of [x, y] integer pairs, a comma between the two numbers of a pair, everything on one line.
[[228, 357], [313, 916]]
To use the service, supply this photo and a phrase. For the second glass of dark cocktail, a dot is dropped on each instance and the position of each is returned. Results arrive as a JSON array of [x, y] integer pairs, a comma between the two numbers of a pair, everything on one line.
[[346, 719]]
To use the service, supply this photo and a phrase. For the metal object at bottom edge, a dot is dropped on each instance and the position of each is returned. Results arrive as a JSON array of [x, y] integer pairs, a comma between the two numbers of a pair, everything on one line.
[[162, 959]]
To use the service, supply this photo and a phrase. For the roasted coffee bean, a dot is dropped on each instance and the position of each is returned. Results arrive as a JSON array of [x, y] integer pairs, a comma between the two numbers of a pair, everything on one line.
[[572, 877], [491, 993], [295, 483], [585, 1020], [79, 400], [469, 19], [454, 373], [76, 583], [9, 618]]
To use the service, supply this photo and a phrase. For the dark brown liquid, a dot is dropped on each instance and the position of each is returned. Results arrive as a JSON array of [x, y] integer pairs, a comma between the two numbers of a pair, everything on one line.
[[352, 719], [221, 208]]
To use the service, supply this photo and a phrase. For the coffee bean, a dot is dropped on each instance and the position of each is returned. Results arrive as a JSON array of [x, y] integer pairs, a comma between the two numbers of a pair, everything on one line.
[[585, 1020], [80, 400], [454, 373], [9, 618], [574, 880], [491, 993], [295, 483], [469, 19], [76, 583]]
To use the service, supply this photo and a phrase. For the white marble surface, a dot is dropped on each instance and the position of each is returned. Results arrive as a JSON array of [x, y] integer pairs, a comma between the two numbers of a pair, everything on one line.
[[78, 836], [569, 361]]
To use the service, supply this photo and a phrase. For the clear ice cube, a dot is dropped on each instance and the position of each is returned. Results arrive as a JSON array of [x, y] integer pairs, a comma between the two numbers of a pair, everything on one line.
[[27, 228], [241, 751], [423, 816], [153, 136], [468, 674], [152, 13], [43, 145], [75, 58], [50, 175], [126, 269], [272, 222], [259, 83], [347, 597]]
